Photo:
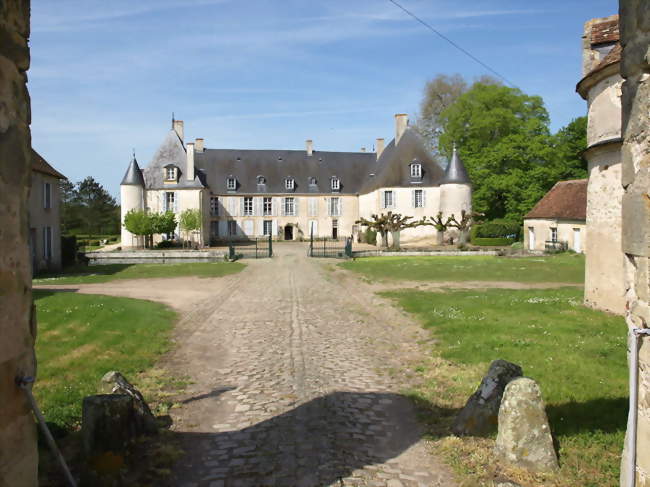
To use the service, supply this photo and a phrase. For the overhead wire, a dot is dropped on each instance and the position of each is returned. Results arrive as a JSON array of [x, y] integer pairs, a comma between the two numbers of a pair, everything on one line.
[[461, 49]]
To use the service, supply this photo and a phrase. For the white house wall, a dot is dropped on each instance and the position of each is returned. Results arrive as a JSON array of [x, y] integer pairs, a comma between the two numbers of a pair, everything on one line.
[[565, 232]]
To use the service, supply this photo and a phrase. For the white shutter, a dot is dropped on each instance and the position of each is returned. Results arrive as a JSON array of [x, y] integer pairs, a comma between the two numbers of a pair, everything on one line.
[[258, 207], [233, 206], [424, 199], [340, 206], [329, 206], [413, 198], [312, 206], [241, 206], [176, 201], [295, 206], [161, 198], [274, 227], [394, 199], [283, 207]]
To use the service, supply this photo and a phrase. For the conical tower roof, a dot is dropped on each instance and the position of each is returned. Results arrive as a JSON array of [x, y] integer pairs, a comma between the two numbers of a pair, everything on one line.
[[133, 175], [456, 172]]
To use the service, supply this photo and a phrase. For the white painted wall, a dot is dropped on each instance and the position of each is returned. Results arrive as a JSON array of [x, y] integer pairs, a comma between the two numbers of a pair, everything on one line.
[[131, 197], [565, 232]]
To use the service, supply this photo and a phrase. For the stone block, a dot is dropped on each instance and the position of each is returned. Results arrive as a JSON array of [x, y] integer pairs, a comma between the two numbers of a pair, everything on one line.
[[636, 216], [107, 425]]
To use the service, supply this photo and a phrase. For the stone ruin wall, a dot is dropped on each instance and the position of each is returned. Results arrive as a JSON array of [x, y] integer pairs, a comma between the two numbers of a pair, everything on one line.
[[635, 69], [18, 453]]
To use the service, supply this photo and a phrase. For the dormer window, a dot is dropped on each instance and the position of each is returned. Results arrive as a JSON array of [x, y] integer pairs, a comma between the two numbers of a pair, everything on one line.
[[289, 184], [312, 181], [416, 170], [261, 180], [171, 173], [335, 184], [231, 184]]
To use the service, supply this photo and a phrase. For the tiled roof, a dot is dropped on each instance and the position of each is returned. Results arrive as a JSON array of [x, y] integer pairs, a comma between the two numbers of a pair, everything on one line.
[[566, 200], [604, 32], [41, 165], [612, 57]]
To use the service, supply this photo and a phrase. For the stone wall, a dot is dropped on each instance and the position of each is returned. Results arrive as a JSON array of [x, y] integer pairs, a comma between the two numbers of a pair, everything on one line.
[[18, 453], [635, 69]]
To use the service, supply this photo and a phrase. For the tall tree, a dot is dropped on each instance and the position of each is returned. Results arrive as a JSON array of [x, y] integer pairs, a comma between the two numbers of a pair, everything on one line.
[[97, 208], [69, 211]]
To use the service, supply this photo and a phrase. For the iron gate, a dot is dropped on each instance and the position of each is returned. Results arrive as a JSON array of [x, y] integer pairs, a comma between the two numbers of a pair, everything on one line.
[[257, 248], [332, 248]]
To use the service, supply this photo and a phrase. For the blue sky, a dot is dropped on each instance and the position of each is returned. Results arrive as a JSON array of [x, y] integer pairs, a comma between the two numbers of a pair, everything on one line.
[[106, 75]]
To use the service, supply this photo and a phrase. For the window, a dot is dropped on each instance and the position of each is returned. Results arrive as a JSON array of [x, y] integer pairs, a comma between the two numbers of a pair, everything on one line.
[[47, 195], [47, 243], [214, 206], [335, 229], [231, 184], [268, 207], [289, 207], [313, 207], [248, 206], [335, 207], [261, 180], [289, 184], [418, 198], [232, 227], [553, 234], [268, 227], [312, 181], [170, 201], [388, 199], [336, 184], [170, 173], [214, 228], [416, 170]]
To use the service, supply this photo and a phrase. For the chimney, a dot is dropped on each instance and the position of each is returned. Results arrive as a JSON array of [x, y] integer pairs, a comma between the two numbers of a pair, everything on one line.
[[198, 146], [190, 161], [178, 128], [310, 146], [363, 149], [380, 147], [401, 122]]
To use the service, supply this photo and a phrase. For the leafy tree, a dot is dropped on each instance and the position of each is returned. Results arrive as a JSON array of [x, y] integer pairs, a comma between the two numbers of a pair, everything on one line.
[[190, 221], [69, 211], [467, 219], [163, 223], [96, 208], [139, 223]]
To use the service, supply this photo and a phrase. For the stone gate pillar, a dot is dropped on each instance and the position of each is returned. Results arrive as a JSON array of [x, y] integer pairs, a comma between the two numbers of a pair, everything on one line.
[[635, 69], [18, 453]]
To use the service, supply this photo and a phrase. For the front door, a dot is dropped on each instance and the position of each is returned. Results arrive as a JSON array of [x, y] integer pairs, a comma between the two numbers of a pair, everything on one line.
[[335, 229], [288, 232], [577, 242], [531, 238]]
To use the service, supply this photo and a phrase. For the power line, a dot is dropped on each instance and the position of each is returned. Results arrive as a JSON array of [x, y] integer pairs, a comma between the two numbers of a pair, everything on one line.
[[464, 51]]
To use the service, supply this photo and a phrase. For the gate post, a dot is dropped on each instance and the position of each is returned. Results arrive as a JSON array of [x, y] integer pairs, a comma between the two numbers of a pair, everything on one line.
[[270, 245], [311, 241], [348, 247], [231, 251], [256, 248]]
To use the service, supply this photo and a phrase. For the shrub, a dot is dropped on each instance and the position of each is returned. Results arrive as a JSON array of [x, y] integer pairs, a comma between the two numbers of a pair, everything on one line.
[[370, 236], [497, 229], [492, 241], [167, 244]]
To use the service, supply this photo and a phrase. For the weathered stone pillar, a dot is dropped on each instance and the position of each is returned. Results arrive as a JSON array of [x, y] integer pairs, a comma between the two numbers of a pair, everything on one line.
[[18, 452], [635, 69]]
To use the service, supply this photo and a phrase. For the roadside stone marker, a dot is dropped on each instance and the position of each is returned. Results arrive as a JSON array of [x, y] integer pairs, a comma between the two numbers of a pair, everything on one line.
[[524, 439]]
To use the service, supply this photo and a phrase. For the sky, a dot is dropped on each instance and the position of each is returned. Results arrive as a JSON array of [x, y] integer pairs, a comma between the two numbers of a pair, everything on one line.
[[106, 77]]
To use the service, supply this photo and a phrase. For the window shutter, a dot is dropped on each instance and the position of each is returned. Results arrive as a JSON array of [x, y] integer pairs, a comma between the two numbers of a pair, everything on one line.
[[275, 202], [274, 229], [413, 198], [283, 211], [340, 206], [241, 206], [295, 206], [258, 207], [175, 201], [162, 201], [394, 199], [44, 244], [424, 198]]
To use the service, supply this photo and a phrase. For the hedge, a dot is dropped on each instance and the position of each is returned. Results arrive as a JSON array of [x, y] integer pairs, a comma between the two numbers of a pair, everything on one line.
[[497, 229], [497, 242]]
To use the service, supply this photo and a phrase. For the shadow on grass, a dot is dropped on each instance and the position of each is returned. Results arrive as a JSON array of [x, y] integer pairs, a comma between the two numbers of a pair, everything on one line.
[[608, 415], [214, 393], [44, 293], [79, 270]]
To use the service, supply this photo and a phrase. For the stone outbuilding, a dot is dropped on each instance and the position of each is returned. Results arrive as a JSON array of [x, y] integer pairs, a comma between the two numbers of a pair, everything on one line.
[[601, 88], [558, 220]]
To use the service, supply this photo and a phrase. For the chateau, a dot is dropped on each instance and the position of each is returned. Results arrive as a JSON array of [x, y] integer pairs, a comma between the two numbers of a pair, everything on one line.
[[289, 194]]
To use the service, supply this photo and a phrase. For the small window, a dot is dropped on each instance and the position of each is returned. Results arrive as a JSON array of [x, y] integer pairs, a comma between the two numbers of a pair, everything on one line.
[[231, 184], [335, 206], [418, 199], [268, 207], [289, 184], [268, 227], [261, 180], [248, 206], [289, 207], [388, 199], [47, 196], [214, 206], [214, 228], [553, 235], [336, 184], [312, 181], [232, 227], [416, 170], [170, 173]]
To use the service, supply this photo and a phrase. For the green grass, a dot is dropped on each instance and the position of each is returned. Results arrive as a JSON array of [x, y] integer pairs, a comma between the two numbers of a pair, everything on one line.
[[565, 268], [577, 355], [104, 273], [81, 337]]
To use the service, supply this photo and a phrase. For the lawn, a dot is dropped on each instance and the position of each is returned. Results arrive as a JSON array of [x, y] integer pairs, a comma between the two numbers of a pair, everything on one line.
[[577, 355], [565, 268], [104, 273], [81, 337]]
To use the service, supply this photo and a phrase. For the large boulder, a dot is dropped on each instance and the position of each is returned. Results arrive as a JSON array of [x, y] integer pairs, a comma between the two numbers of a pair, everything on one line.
[[479, 417], [524, 439], [114, 382]]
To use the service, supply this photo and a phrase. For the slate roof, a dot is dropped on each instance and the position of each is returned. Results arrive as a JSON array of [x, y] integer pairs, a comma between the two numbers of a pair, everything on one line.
[[455, 172], [171, 151], [566, 200], [133, 175], [41, 165]]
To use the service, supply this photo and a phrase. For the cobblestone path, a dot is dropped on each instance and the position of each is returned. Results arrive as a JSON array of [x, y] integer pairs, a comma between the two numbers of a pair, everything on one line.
[[290, 389]]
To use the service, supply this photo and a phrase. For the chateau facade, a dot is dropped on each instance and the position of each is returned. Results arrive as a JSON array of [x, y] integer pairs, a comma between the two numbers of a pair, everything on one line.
[[289, 194]]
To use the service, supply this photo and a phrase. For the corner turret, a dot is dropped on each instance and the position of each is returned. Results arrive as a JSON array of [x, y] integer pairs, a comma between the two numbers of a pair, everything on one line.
[[455, 188], [132, 197]]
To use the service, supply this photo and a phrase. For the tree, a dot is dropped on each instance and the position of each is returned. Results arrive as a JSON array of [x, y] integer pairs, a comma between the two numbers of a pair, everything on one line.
[[69, 210], [163, 223], [138, 223], [145, 224], [96, 207], [389, 222], [464, 224], [440, 225], [190, 221]]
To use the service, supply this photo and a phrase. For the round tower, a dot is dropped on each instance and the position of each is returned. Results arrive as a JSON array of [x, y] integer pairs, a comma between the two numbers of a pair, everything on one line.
[[131, 198], [455, 188]]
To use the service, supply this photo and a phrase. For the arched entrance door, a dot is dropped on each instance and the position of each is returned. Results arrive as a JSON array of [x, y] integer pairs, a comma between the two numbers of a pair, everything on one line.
[[288, 232]]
